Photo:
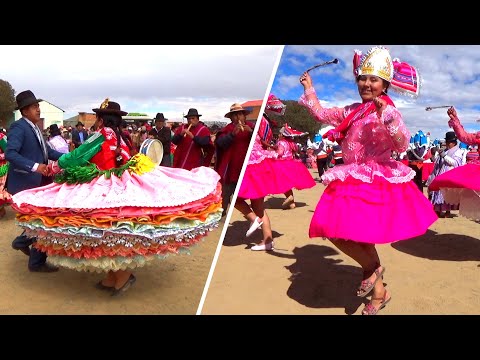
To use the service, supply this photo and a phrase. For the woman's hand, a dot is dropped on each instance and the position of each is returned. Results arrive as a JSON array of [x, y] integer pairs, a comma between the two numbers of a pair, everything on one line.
[[306, 80], [380, 104], [452, 113]]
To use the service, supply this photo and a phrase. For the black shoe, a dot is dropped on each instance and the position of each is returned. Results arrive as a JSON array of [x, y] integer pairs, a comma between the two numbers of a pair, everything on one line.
[[46, 268], [125, 286]]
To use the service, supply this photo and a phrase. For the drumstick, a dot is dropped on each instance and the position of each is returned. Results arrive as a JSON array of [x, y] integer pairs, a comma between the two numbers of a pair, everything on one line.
[[241, 124], [189, 126]]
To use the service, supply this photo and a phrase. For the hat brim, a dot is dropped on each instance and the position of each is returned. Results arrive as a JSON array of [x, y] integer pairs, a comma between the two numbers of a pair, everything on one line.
[[28, 103], [110, 111], [188, 115], [227, 115]]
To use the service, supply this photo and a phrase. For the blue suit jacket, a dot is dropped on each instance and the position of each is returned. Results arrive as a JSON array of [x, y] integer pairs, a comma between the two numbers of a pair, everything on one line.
[[23, 151]]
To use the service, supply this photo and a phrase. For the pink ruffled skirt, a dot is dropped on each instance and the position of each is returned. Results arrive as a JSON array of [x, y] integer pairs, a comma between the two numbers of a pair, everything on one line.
[[272, 176], [461, 185], [377, 213]]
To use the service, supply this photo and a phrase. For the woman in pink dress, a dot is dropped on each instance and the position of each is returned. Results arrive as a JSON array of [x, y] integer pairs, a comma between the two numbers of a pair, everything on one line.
[[267, 175], [462, 184], [367, 200], [110, 212], [286, 149], [253, 188]]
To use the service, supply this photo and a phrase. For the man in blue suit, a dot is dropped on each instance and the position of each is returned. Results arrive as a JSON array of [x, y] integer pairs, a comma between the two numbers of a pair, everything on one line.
[[28, 154]]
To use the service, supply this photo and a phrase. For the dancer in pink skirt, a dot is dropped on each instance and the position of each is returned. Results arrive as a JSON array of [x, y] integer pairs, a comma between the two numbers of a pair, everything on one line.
[[368, 200], [286, 149], [462, 184], [266, 175]]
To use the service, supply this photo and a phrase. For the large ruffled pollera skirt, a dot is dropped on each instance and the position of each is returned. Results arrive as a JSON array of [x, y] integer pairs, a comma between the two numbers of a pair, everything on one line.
[[371, 209], [461, 185], [121, 222], [274, 176]]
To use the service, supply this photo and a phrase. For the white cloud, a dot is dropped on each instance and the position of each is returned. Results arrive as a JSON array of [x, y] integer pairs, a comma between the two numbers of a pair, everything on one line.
[[142, 78]]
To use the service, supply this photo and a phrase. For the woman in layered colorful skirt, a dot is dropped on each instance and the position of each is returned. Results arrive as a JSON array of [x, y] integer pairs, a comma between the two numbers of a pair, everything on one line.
[[368, 199], [5, 197], [462, 184], [109, 212], [267, 175]]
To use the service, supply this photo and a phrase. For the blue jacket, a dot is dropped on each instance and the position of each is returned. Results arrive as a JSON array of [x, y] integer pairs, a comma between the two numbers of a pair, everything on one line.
[[23, 151]]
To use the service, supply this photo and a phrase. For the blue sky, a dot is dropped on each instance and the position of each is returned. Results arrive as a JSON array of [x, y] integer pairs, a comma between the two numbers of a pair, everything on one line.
[[450, 75], [142, 78]]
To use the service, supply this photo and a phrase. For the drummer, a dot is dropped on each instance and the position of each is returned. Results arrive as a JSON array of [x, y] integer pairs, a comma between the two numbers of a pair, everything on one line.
[[194, 146], [164, 135]]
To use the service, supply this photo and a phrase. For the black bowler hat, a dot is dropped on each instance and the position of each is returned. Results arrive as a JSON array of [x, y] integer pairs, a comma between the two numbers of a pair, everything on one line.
[[26, 98], [160, 117], [450, 136], [110, 107], [54, 130], [192, 112]]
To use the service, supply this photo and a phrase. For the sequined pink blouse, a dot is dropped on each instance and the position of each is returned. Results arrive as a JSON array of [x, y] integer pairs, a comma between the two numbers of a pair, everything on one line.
[[368, 143]]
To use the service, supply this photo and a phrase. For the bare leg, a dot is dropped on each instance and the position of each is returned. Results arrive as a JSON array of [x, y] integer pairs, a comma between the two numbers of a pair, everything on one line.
[[266, 230], [289, 202], [258, 206], [371, 250], [367, 256], [288, 193], [242, 206], [357, 252]]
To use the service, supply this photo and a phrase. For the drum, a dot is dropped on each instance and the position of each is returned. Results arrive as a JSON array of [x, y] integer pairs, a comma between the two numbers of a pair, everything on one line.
[[152, 148]]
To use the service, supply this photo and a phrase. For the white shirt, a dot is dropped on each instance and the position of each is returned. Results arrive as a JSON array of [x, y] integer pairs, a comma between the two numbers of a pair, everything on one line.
[[36, 129]]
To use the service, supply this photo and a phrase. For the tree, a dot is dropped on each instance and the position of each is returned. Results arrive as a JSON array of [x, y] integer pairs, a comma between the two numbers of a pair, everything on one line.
[[298, 117], [7, 101]]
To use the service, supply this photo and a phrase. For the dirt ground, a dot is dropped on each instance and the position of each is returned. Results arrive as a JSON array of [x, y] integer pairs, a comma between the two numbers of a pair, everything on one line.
[[166, 287], [436, 273]]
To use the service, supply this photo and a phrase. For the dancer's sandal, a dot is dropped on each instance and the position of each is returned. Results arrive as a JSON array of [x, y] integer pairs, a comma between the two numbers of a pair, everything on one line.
[[367, 285], [371, 309]]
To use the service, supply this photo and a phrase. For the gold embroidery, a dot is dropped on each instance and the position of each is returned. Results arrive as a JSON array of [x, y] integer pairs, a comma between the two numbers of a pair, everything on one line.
[[104, 103]]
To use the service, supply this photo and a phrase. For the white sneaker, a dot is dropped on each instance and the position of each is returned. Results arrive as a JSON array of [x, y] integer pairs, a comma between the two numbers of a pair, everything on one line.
[[264, 247], [254, 226]]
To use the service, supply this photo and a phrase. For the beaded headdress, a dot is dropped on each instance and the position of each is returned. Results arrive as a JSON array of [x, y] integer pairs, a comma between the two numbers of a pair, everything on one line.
[[377, 61], [403, 77]]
